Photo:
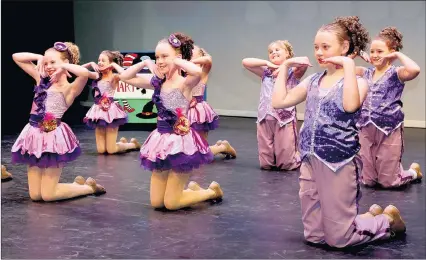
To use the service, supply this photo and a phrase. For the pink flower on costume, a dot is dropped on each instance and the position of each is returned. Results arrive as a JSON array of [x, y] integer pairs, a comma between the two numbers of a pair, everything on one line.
[[49, 123]]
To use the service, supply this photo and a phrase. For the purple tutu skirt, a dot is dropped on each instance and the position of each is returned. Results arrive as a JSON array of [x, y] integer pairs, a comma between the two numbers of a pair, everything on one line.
[[114, 117], [169, 151], [53, 149], [202, 117]]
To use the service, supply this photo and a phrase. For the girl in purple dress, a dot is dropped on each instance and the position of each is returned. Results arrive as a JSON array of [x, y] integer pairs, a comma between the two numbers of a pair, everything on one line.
[[329, 146], [276, 128], [174, 149], [105, 115], [201, 115], [381, 122], [46, 143]]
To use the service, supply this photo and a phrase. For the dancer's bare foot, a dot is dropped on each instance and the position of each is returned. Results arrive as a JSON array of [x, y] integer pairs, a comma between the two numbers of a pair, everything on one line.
[[192, 185], [416, 167], [5, 175], [396, 223], [97, 188], [123, 140], [135, 141], [217, 190]]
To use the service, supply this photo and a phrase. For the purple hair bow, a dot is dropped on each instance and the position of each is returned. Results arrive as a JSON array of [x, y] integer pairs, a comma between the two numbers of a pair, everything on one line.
[[60, 46], [174, 41]]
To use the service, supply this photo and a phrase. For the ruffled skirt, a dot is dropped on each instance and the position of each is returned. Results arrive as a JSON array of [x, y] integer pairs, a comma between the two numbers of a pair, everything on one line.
[[114, 117], [169, 151], [35, 147], [202, 117]]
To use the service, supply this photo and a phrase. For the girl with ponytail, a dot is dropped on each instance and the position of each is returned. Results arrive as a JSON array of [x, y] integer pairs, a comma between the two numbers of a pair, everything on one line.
[[46, 143]]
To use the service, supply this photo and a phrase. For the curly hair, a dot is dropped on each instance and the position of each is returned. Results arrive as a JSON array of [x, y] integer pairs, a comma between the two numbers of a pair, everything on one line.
[[284, 44], [72, 53], [349, 28], [114, 56], [202, 51], [392, 37], [186, 47]]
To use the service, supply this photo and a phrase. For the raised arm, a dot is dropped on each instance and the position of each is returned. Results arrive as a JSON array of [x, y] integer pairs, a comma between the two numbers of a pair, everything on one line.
[[131, 76], [117, 67], [257, 66], [354, 90], [119, 70], [351, 92], [409, 69], [92, 74], [25, 61], [283, 98], [206, 62], [132, 71], [79, 83], [193, 72], [360, 70], [299, 72]]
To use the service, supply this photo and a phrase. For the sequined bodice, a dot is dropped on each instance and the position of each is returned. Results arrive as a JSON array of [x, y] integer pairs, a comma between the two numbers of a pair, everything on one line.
[[199, 90], [55, 104], [106, 87], [265, 108], [383, 105], [174, 99], [328, 131]]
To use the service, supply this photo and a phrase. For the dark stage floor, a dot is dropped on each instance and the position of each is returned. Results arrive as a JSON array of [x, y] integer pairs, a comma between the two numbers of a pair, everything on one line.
[[259, 216]]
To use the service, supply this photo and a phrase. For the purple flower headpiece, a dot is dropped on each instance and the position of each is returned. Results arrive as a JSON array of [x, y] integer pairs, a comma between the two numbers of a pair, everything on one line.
[[60, 46], [174, 41]]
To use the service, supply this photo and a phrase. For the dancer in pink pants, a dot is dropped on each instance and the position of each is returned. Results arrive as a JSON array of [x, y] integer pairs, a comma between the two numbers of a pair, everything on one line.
[[381, 122], [329, 174], [276, 128]]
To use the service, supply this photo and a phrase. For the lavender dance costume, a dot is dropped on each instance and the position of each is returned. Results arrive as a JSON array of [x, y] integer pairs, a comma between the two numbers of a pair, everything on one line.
[[46, 141], [276, 128], [329, 174], [382, 106], [105, 112], [381, 131], [174, 145], [282, 115], [200, 114]]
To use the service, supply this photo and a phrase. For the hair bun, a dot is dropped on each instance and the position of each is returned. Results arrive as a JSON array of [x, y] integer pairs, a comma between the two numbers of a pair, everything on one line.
[[187, 45], [74, 52], [393, 37], [358, 34]]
